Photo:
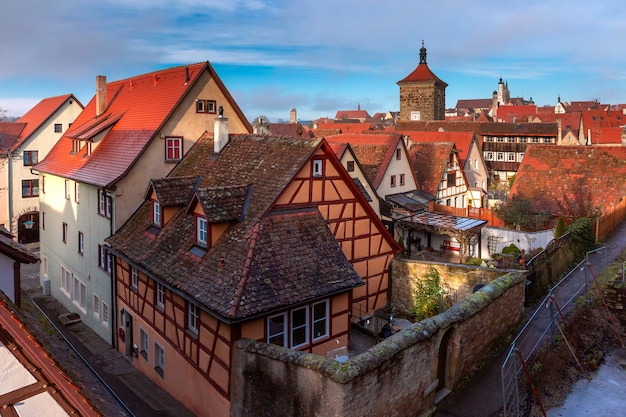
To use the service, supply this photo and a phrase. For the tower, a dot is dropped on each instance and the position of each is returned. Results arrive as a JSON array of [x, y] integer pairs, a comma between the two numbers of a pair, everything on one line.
[[422, 93]]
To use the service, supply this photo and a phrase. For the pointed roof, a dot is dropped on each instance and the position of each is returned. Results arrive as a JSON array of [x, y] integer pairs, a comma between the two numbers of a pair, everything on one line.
[[263, 261], [136, 110], [176, 191], [462, 140], [572, 181], [422, 73], [373, 151], [429, 161]]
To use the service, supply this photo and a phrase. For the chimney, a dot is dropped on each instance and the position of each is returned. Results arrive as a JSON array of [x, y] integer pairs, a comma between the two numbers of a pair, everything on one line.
[[101, 94], [220, 132], [559, 131]]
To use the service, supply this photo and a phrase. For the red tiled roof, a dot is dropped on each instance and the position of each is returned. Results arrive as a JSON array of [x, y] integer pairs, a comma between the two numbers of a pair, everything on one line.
[[36, 116], [572, 181], [607, 136], [477, 103], [10, 135], [142, 104], [429, 160], [374, 152], [516, 113], [352, 114], [342, 127], [295, 130], [462, 140], [421, 74], [264, 262]]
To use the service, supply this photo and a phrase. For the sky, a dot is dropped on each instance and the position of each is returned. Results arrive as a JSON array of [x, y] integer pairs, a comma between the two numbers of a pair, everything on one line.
[[317, 56]]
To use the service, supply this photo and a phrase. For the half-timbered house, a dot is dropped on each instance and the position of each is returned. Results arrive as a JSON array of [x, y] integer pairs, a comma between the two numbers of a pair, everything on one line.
[[257, 237]]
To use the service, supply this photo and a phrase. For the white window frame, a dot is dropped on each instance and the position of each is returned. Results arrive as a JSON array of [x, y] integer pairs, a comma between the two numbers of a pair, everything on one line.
[[79, 293], [77, 192], [66, 281], [392, 181], [293, 329], [105, 314], [156, 213], [175, 144], [160, 295], [316, 320], [520, 156], [159, 359], [511, 156], [523, 140], [134, 278], [499, 156], [318, 168], [489, 156], [534, 140], [277, 334], [193, 317], [144, 343], [67, 189], [81, 243], [201, 230], [96, 306]]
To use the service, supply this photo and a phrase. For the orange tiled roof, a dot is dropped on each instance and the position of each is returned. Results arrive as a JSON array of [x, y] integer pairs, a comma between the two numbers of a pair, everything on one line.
[[10, 133], [516, 113], [141, 105], [36, 116], [429, 160], [607, 136], [352, 114], [344, 127], [421, 74], [572, 181], [462, 140]]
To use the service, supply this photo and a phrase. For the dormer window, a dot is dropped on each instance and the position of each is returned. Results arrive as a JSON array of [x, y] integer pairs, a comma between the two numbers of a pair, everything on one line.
[[317, 168], [201, 231], [156, 213], [75, 146]]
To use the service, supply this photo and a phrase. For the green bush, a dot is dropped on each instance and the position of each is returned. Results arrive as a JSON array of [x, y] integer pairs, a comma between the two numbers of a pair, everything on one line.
[[561, 228], [582, 239], [511, 250], [474, 261], [428, 295]]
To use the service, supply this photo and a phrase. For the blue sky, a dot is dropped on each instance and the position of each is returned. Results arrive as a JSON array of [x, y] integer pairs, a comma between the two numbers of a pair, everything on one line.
[[317, 56]]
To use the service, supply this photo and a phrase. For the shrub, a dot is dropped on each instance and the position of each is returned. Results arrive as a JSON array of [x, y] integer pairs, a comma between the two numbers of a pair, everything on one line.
[[561, 228], [474, 261], [428, 295], [511, 250]]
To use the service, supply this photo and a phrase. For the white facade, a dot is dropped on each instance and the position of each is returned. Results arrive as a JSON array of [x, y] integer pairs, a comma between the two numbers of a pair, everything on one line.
[[452, 187], [398, 178], [19, 185]]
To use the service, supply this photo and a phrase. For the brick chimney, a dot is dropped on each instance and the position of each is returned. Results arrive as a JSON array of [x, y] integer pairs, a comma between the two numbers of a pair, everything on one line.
[[220, 132], [101, 94]]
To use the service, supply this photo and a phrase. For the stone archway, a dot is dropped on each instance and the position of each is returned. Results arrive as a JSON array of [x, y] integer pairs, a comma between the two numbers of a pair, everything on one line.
[[446, 364], [28, 227]]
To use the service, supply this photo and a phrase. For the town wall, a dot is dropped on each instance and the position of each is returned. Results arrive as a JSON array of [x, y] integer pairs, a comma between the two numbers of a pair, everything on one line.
[[397, 377]]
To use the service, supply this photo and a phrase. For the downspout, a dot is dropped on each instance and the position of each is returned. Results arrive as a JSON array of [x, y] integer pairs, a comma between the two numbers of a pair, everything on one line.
[[10, 194]]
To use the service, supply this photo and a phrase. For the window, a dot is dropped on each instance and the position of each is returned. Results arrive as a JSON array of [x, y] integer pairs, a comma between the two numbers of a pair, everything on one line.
[[30, 188], [81, 243], [201, 231], [134, 278], [67, 189], [320, 320], [520, 156], [156, 213], [511, 156], [96, 306], [43, 220], [160, 296], [500, 156], [159, 360], [299, 327], [350, 166], [393, 181], [101, 203], [79, 296], [317, 168], [510, 140], [77, 192], [30, 158], [476, 164], [88, 153], [66, 281], [500, 139], [451, 179], [522, 140], [489, 156], [173, 148], [205, 106], [75, 146], [547, 140], [58, 128], [276, 330], [64, 232], [193, 317], [534, 140], [104, 258], [43, 183], [105, 314], [398, 154], [401, 179], [143, 344]]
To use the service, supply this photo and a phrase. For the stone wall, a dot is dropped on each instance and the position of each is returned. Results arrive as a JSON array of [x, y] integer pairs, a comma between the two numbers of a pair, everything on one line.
[[397, 377], [548, 266], [458, 280]]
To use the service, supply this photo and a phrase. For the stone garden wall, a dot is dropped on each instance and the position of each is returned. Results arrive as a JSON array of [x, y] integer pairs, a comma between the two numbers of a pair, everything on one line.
[[398, 377]]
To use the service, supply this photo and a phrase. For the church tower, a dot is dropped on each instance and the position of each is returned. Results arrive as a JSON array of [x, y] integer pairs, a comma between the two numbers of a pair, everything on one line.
[[422, 94]]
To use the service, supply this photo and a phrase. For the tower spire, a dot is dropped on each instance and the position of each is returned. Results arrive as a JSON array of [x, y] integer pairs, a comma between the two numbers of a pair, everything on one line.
[[422, 53]]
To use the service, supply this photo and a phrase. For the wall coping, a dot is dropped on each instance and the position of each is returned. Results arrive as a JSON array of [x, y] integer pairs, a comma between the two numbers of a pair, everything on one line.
[[371, 359]]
